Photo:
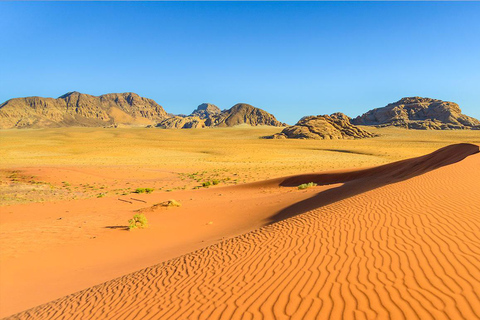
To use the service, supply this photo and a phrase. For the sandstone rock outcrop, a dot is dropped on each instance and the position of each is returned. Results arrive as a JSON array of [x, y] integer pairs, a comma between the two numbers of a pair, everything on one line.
[[245, 113], [209, 115], [206, 110], [419, 113], [179, 122], [335, 126], [78, 109]]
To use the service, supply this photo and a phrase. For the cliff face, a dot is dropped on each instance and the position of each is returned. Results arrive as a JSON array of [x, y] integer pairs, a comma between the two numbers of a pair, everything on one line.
[[208, 115], [419, 113], [78, 109], [335, 126]]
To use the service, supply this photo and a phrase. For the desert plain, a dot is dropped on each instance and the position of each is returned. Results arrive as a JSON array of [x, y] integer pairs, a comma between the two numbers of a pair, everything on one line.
[[390, 230]]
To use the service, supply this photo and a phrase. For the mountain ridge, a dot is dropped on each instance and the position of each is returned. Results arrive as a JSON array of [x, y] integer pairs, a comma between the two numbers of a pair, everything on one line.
[[80, 109]]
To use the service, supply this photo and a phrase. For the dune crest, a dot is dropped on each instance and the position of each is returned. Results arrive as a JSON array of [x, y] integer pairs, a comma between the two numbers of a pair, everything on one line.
[[403, 250]]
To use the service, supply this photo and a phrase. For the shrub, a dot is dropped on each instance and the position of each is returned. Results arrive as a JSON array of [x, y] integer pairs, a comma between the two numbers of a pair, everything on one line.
[[138, 221], [148, 190], [206, 184], [171, 203], [144, 190], [215, 182], [306, 185]]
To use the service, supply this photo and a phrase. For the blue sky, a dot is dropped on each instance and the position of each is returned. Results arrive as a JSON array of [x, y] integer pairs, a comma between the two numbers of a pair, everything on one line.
[[289, 58]]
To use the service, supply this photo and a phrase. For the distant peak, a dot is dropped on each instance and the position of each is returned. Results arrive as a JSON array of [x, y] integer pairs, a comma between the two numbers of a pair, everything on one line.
[[206, 106], [68, 94], [415, 100], [205, 110]]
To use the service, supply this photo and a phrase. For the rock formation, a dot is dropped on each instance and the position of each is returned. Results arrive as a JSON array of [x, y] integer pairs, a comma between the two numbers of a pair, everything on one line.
[[179, 122], [209, 115], [335, 126], [245, 113], [206, 110], [78, 109], [419, 113]]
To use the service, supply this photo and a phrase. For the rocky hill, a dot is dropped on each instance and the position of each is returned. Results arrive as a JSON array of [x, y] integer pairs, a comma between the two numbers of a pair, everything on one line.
[[206, 110], [419, 113], [209, 115], [335, 126], [78, 109], [245, 113]]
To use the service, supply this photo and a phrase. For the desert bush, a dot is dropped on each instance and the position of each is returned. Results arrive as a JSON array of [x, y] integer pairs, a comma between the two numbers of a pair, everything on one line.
[[171, 203], [144, 190], [206, 184], [306, 185], [138, 221], [215, 182]]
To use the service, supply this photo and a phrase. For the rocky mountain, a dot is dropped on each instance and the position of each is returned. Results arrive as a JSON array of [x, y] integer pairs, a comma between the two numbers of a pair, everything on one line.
[[78, 109], [209, 115], [206, 110], [419, 113], [335, 126]]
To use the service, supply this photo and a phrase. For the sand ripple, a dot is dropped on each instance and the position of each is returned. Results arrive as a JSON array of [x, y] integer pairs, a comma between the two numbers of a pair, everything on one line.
[[408, 250]]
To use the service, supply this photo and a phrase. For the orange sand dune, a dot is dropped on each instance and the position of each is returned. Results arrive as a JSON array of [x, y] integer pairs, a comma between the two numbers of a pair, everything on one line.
[[396, 241]]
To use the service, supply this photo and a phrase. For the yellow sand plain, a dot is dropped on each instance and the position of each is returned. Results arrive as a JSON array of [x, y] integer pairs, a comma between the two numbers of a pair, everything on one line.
[[98, 162]]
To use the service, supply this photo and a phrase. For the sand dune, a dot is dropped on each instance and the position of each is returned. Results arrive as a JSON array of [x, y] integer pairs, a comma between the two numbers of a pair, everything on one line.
[[398, 241]]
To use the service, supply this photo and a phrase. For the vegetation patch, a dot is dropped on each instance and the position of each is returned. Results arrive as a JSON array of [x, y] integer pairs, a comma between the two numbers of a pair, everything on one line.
[[306, 185], [170, 203], [144, 190], [139, 221]]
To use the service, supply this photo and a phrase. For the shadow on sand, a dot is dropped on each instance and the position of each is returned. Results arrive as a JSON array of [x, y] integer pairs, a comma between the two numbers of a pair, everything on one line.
[[118, 227], [360, 181]]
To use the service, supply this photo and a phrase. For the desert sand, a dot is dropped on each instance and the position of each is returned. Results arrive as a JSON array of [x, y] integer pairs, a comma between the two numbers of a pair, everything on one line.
[[386, 233]]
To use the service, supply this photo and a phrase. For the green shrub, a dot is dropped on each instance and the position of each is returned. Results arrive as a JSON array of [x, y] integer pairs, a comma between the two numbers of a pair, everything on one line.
[[206, 184], [306, 185], [215, 182], [144, 190], [138, 221]]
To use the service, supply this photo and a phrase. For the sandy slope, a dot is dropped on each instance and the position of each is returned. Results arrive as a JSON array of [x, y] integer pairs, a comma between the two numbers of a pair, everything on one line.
[[398, 241]]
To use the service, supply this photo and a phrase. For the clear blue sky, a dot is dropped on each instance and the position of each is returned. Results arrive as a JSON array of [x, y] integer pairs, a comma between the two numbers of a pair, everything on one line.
[[291, 59]]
